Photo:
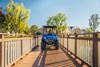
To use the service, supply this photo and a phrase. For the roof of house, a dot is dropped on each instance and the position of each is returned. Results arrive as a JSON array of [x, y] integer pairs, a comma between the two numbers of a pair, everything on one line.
[[49, 26]]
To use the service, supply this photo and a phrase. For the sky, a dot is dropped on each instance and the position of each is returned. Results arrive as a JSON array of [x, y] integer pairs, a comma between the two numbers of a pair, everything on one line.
[[78, 12]]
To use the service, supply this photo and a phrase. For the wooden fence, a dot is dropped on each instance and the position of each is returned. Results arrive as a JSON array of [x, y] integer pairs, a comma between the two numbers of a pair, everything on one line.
[[14, 48], [85, 47]]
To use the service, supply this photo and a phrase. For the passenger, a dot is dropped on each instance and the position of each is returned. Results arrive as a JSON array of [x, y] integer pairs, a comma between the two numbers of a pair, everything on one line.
[[50, 32]]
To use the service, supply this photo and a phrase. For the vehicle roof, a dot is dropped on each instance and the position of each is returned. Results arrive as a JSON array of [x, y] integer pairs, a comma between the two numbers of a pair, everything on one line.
[[49, 26]]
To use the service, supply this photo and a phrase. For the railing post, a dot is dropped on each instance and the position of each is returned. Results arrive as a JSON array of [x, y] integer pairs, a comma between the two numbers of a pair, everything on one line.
[[63, 40], [95, 50], [75, 44], [37, 40], [2, 51], [67, 41], [59, 39], [31, 43], [21, 45]]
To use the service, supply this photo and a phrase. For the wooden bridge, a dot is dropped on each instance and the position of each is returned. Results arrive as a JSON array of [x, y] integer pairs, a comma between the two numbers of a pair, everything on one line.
[[82, 50]]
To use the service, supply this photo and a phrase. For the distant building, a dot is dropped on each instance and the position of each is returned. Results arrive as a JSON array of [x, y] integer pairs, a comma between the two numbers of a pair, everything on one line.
[[40, 30]]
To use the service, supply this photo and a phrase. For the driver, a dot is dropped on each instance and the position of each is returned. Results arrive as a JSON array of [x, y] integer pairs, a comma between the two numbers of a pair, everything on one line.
[[50, 32]]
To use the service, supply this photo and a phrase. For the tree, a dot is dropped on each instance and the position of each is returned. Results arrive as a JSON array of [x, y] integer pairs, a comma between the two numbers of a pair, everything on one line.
[[94, 22], [2, 16], [58, 20], [34, 29], [24, 28], [88, 30], [2, 19], [50, 21], [17, 17], [38, 33]]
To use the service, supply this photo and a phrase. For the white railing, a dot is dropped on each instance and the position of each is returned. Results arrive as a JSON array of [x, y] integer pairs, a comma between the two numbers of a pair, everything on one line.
[[85, 47], [13, 49]]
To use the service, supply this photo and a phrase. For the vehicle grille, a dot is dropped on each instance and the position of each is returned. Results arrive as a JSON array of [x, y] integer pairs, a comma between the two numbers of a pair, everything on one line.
[[49, 40]]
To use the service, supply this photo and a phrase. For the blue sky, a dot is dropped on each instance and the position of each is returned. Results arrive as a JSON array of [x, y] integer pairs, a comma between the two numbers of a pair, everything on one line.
[[78, 12]]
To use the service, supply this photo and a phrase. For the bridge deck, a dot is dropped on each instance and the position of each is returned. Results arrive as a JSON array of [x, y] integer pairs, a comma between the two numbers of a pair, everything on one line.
[[48, 58]]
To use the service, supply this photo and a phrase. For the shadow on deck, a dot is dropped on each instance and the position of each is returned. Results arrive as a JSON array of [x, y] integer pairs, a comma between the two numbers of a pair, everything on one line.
[[47, 58]]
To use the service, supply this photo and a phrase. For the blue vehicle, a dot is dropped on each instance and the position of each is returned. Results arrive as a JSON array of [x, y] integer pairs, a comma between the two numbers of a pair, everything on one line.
[[49, 37]]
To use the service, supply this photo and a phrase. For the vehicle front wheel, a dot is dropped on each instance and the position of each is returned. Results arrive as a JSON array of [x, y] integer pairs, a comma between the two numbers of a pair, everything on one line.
[[56, 45], [43, 46]]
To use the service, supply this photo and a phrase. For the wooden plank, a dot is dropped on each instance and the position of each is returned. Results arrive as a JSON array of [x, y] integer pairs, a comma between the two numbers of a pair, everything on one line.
[[48, 58]]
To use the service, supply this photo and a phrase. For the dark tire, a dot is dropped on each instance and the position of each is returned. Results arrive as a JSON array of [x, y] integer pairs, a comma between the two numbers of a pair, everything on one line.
[[43, 46], [57, 45]]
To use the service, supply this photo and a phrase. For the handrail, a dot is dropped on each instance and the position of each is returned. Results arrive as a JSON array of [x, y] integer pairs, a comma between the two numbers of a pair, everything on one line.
[[84, 48], [83, 33], [12, 49]]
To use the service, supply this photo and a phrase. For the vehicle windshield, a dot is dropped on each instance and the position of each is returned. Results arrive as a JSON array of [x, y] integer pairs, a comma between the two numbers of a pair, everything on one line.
[[49, 31]]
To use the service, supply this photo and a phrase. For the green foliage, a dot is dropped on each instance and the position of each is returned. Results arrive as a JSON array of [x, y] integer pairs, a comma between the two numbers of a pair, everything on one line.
[[58, 20], [2, 18], [93, 22], [88, 30], [38, 33], [34, 29], [16, 18]]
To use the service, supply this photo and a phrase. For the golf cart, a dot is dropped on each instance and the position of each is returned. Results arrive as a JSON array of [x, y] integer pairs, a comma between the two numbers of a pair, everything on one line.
[[49, 37]]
